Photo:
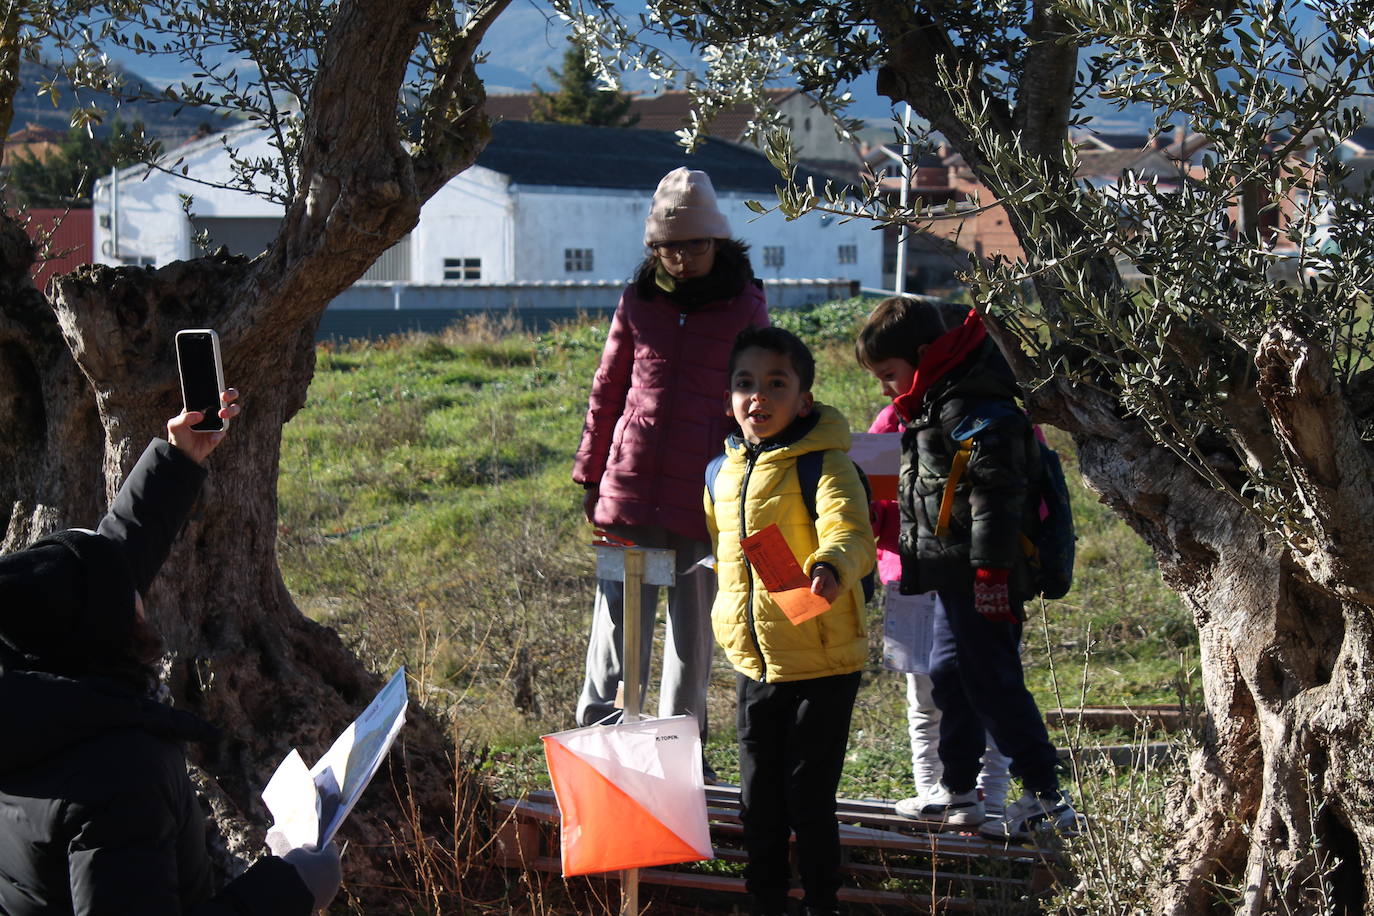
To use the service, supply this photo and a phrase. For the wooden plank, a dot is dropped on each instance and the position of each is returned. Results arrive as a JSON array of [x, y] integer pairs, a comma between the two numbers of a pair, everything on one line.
[[517, 840], [730, 884], [1166, 717], [725, 823], [872, 812], [529, 831], [967, 878]]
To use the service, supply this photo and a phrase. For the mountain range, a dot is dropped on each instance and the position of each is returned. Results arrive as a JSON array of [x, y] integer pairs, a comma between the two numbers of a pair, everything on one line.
[[160, 119]]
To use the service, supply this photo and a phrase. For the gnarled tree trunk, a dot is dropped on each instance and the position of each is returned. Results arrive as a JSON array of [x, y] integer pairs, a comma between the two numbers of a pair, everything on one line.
[[87, 377], [1281, 801], [1279, 809]]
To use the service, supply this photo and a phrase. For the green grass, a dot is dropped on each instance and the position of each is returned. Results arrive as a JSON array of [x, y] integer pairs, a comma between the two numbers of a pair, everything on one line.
[[427, 512]]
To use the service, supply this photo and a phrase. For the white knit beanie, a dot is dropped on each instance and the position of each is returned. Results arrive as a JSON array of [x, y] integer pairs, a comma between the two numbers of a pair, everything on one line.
[[684, 207]]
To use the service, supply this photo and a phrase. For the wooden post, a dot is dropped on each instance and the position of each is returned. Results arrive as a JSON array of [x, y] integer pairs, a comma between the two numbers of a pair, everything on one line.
[[633, 566], [629, 672]]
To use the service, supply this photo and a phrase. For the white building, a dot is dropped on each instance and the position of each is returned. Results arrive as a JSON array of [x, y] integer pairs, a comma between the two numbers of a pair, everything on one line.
[[544, 203]]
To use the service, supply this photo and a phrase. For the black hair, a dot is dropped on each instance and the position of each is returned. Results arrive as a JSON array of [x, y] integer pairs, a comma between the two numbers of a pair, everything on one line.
[[729, 274], [897, 327], [784, 343]]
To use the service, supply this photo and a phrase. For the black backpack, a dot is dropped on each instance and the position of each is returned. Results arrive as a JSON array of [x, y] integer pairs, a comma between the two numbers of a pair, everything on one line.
[[1050, 543], [809, 476], [1050, 549]]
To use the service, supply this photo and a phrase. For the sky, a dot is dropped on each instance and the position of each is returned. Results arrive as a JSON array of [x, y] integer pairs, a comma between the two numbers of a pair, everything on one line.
[[528, 38]]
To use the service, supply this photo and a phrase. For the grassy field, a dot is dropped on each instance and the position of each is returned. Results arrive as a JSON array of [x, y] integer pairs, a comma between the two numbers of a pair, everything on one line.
[[427, 513]]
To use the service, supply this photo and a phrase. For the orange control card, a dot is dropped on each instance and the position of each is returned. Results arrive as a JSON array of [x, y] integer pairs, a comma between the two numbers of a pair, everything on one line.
[[782, 576]]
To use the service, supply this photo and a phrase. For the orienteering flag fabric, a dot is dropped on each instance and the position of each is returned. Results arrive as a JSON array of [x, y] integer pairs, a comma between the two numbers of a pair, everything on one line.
[[629, 795]]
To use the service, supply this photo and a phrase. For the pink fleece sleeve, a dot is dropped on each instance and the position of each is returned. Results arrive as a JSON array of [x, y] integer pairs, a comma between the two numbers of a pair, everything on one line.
[[887, 519]]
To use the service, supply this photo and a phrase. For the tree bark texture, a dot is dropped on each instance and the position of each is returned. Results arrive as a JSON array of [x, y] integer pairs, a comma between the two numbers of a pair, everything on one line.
[[88, 375], [1279, 811]]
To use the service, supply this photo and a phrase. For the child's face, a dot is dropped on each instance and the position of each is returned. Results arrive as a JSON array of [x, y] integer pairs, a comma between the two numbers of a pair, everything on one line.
[[765, 394], [894, 375]]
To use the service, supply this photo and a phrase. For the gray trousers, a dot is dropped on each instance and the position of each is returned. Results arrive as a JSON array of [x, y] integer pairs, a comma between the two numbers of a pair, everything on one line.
[[687, 644]]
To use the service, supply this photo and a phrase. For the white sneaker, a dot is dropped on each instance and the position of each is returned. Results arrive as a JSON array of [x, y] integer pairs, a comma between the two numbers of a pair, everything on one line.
[[1031, 814], [940, 805]]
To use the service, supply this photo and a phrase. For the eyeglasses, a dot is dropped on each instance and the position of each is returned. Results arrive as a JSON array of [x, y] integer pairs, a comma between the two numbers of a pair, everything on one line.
[[689, 247]]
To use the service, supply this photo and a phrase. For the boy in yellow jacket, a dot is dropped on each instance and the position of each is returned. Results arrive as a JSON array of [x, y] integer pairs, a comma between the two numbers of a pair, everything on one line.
[[796, 683]]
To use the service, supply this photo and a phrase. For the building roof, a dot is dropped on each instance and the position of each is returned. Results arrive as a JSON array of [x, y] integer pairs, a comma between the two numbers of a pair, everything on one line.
[[1111, 164], [1114, 140], [32, 141], [36, 133], [1363, 138], [574, 155], [668, 110]]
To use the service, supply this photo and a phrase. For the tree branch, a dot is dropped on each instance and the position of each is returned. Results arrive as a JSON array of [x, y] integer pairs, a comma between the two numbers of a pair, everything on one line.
[[1329, 464]]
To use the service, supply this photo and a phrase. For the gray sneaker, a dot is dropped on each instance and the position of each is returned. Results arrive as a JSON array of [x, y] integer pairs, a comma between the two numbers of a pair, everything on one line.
[[1032, 814], [945, 807]]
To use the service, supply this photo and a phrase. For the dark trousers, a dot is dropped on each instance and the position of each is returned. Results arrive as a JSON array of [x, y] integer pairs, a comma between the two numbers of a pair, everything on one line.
[[980, 688], [792, 741]]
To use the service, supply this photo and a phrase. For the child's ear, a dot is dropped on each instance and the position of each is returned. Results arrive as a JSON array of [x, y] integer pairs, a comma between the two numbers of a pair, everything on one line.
[[729, 405], [921, 351], [807, 402]]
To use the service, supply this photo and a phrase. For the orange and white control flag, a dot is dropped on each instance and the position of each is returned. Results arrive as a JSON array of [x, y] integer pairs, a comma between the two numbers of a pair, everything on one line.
[[629, 795]]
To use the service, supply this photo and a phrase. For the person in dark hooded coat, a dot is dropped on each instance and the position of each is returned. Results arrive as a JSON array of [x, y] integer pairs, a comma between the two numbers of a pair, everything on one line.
[[97, 813]]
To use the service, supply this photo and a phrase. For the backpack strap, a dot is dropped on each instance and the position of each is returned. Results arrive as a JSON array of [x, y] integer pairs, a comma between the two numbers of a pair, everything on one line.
[[809, 468], [978, 420], [809, 476], [956, 470], [712, 472]]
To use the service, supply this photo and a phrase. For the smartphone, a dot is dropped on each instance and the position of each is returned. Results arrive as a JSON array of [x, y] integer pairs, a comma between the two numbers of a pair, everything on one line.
[[202, 376]]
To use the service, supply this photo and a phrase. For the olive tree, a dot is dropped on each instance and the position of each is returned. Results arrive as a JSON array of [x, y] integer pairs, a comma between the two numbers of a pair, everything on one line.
[[373, 107], [1224, 413]]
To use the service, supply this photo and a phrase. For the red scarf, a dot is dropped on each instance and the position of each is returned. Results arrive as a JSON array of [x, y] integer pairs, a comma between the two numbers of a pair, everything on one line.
[[948, 351]]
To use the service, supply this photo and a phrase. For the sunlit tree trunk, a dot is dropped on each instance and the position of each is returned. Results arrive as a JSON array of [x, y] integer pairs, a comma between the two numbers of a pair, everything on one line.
[[1280, 806], [88, 375]]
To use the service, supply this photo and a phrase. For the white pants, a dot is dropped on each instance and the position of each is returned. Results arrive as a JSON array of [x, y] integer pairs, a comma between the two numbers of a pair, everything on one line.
[[923, 725]]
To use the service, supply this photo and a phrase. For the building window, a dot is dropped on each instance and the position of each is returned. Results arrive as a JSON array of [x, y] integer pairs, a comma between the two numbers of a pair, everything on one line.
[[772, 256], [577, 260], [849, 254], [462, 268]]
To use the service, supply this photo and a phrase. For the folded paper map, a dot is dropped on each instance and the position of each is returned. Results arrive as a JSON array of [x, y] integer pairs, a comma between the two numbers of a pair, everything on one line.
[[782, 575], [308, 805]]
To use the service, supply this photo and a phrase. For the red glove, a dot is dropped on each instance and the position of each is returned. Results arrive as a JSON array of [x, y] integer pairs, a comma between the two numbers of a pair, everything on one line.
[[990, 595]]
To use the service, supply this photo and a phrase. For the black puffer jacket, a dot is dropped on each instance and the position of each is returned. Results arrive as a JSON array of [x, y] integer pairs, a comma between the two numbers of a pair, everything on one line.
[[994, 500], [97, 813]]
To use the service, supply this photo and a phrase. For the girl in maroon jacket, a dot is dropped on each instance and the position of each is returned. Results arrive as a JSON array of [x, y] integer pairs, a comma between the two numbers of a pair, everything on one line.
[[654, 420]]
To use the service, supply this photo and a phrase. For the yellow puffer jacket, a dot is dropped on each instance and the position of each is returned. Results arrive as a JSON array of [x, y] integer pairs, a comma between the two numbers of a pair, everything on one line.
[[757, 637]]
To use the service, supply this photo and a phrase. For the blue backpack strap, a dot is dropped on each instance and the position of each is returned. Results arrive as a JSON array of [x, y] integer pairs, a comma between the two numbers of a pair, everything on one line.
[[809, 476], [713, 471], [981, 417]]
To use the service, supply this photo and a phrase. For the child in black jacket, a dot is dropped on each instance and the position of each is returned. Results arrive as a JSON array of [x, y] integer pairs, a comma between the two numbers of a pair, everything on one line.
[[955, 393]]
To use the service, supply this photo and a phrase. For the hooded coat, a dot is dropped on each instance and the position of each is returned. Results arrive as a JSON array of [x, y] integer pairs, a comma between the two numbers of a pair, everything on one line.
[[97, 813], [654, 419], [757, 486], [995, 499]]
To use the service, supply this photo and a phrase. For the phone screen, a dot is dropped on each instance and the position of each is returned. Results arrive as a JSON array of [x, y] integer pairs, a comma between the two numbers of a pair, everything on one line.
[[199, 379]]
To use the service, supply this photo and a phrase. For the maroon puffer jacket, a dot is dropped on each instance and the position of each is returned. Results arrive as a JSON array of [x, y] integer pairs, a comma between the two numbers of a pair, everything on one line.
[[657, 410]]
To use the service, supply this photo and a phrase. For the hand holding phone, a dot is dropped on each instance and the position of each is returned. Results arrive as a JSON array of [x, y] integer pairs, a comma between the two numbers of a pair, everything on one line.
[[202, 376], [198, 445]]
